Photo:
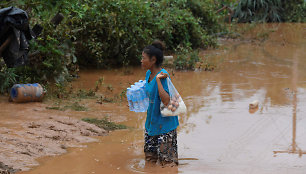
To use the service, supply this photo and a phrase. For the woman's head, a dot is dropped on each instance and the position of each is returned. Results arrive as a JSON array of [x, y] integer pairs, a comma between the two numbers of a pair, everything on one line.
[[152, 55]]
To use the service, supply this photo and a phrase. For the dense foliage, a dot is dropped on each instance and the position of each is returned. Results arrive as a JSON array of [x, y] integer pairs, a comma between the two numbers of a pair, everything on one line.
[[110, 33], [51, 55], [107, 33], [294, 10], [115, 32], [270, 10]]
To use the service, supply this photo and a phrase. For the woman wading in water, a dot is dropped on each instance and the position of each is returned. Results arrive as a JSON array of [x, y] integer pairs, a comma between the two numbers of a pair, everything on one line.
[[160, 132]]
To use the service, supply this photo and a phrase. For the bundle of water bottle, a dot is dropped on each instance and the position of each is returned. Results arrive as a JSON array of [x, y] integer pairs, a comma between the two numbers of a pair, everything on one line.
[[137, 97]]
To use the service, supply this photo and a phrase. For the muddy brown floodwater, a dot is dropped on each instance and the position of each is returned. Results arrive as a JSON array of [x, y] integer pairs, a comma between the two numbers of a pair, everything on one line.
[[219, 134]]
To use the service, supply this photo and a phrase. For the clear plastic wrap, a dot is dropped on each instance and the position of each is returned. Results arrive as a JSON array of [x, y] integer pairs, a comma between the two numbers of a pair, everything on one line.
[[176, 105]]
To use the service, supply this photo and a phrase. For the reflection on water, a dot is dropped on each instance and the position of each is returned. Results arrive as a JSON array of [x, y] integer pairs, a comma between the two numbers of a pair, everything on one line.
[[294, 148], [234, 140], [218, 134]]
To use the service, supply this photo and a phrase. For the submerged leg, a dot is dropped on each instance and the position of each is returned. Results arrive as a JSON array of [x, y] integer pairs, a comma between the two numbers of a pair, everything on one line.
[[167, 149]]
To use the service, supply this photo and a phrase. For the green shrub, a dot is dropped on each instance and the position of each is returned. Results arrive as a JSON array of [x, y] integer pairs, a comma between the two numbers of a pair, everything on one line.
[[294, 10], [52, 53], [108, 33], [112, 32], [7, 79], [117, 31], [270, 10], [203, 10], [258, 10], [186, 60]]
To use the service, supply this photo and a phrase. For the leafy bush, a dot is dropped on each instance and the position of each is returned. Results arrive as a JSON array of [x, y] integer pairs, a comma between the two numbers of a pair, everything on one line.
[[270, 10], [7, 79], [112, 32], [206, 15], [115, 32], [51, 55], [109, 33], [186, 59], [294, 10], [258, 10]]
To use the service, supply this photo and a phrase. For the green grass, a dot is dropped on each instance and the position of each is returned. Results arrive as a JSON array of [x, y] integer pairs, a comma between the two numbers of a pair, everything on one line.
[[77, 107], [55, 108], [74, 106], [104, 123], [85, 94]]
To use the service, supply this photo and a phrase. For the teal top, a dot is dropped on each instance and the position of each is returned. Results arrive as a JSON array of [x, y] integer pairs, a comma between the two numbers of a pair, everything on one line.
[[155, 123]]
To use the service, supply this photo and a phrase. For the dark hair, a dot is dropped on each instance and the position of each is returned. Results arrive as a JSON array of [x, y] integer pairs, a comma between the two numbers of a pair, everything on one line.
[[155, 49]]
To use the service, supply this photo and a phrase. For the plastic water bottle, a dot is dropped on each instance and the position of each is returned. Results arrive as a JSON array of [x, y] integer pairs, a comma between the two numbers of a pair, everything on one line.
[[141, 103], [129, 98], [137, 97], [140, 99], [133, 97], [146, 97], [143, 95]]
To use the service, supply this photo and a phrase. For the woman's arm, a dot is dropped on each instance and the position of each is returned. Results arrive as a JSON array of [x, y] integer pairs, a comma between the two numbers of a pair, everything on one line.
[[164, 96]]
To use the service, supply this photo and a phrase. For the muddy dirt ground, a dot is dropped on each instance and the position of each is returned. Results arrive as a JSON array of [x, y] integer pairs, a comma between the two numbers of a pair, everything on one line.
[[30, 132]]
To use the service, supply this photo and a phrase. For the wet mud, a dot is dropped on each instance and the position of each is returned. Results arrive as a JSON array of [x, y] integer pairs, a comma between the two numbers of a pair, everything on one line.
[[29, 135], [219, 133]]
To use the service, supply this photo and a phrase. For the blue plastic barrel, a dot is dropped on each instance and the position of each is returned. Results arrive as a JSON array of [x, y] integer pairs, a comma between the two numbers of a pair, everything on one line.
[[27, 92]]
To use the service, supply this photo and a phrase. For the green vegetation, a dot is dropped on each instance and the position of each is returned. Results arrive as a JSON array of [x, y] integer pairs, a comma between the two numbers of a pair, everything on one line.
[[85, 94], [104, 123], [112, 33], [186, 60], [62, 96], [107, 33], [51, 56], [76, 107], [258, 10], [270, 10], [190, 60], [294, 10], [73, 106], [55, 108], [117, 35], [7, 79]]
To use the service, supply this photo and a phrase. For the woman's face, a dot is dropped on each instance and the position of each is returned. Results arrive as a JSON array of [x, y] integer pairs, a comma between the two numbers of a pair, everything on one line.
[[146, 62]]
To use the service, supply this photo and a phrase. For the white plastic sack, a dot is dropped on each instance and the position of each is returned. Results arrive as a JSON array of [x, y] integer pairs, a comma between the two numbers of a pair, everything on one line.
[[176, 105]]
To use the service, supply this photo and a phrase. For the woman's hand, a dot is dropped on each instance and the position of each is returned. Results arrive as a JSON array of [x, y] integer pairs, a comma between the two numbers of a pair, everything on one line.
[[162, 75], [164, 96]]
